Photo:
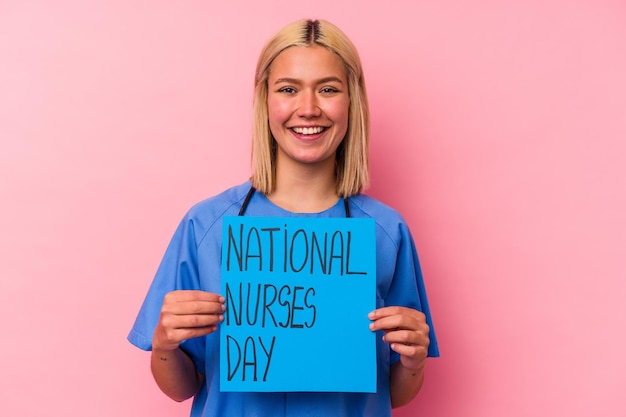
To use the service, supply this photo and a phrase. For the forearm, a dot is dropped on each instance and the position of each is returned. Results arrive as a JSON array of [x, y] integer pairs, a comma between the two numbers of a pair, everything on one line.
[[175, 374], [404, 384]]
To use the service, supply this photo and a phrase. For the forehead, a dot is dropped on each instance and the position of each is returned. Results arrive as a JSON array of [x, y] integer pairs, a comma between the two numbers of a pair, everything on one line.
[[307, 63]]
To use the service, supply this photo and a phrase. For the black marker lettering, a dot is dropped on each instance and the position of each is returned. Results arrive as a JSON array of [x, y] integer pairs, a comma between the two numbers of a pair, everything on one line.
[[310, 306], [256, 239], [334, 256], [231, 374], [294, 307], [305, 251], [266, 304], [256, 306], [271, 231], [246, 361], [322, 255], [232, 243], [231, 306], [268, 354], [348, 272], [284, 304]]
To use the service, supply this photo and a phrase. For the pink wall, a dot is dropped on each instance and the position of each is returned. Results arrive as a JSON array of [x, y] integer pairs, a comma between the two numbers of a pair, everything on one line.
[[499, 130]]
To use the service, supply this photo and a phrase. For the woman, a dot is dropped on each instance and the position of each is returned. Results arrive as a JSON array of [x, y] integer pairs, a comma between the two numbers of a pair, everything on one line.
[[309, 159]]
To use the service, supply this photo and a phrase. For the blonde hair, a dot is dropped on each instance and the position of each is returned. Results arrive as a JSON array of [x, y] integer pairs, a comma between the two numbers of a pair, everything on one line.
[[352, 168]]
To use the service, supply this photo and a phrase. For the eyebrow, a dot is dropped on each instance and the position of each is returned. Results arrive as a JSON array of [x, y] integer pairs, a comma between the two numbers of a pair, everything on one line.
[[320, 81]]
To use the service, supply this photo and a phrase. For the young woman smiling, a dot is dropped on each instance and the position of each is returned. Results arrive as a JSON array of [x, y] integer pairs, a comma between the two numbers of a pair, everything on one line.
[[309, 159]]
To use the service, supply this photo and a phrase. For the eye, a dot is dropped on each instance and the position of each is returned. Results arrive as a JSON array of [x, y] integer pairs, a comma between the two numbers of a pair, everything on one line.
[[287, 90], [329, 90]]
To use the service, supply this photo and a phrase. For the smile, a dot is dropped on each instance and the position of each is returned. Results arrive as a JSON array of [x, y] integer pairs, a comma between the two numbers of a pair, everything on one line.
[[308, 130]]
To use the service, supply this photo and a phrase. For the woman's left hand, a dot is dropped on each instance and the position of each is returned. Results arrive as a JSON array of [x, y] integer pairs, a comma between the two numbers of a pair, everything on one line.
[[406, 332]]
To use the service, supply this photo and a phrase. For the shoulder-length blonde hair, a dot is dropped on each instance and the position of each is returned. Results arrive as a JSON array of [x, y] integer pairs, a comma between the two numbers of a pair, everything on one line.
[[352, 169]]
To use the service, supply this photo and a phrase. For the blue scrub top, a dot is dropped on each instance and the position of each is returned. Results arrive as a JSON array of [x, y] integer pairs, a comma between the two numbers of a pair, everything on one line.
[[192, 261]]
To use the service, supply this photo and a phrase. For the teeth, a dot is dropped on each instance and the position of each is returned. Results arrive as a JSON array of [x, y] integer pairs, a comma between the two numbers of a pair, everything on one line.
[[308, 130]]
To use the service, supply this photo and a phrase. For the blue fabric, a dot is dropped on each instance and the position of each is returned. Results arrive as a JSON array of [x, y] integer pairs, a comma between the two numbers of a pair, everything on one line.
[[192, 261]]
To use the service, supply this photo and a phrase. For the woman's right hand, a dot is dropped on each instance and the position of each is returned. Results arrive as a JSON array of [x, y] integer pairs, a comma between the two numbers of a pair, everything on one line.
[[186, 314]]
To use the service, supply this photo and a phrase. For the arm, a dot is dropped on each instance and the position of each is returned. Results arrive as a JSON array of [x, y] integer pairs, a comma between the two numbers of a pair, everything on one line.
[[407, 333], [175, 374], [404, 384], [184, 315]]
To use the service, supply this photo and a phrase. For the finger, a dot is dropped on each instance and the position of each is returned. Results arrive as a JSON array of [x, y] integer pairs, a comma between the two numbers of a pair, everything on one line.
[[406, 322], [168, 339], [193, 295], [193, 307], [407, 337], [412, 356], [190, 321], [190, 333], [408, 349], [382, 312]]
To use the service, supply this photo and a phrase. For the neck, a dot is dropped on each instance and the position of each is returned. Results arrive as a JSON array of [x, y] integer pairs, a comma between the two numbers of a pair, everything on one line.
[[305, 188]]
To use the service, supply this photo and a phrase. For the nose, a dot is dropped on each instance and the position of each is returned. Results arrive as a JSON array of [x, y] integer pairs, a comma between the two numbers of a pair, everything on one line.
[[308, 105]]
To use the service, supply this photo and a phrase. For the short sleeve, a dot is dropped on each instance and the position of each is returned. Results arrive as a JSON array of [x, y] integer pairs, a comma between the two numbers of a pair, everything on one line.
[[178, 271], [407, 287]]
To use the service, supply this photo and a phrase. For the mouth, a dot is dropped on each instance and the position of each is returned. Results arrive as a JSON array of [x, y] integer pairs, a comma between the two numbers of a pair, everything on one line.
[[312, 130]]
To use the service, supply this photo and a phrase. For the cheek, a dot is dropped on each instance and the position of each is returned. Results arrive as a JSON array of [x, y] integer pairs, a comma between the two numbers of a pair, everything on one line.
[[277, 114], [278, 111], [341, 114]]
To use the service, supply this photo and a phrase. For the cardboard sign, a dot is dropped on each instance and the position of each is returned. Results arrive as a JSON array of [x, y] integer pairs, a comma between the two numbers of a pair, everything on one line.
[[298, 291]]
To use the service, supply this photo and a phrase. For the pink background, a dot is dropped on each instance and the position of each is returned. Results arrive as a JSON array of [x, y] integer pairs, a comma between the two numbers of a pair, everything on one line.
[[499, 131]]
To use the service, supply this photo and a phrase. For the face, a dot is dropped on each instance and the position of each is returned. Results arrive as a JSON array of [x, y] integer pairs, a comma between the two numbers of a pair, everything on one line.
[[308, 104]]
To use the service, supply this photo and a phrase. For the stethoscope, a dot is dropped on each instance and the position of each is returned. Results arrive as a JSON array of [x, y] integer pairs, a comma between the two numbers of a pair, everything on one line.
[[251, 191]]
